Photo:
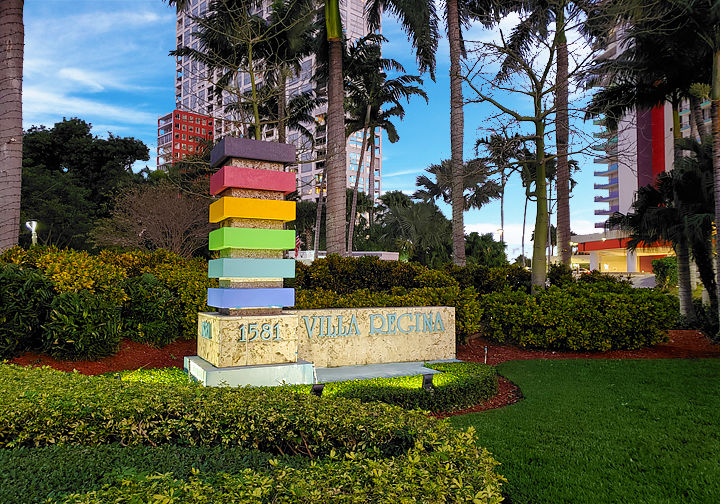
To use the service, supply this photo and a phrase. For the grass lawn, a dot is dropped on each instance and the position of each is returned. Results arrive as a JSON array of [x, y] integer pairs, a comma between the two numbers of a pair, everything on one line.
[[630, 431]]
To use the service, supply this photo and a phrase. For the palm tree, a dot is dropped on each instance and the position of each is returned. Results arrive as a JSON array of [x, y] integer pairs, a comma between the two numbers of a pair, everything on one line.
[[335, 161], [475, 178], [368, 92], [420, 21], [540, 15], [420, 231], [12, 33], [656, 216], [664, 57]]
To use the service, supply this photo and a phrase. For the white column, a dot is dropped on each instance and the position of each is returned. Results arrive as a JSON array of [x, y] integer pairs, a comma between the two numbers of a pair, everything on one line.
[[632, 262], [594, 262]]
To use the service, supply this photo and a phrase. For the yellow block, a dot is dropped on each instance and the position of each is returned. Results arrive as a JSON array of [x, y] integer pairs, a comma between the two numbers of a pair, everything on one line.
[[250, 208]]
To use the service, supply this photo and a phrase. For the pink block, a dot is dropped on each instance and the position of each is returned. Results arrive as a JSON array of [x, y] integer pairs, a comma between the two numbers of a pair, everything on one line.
[[250, 178]]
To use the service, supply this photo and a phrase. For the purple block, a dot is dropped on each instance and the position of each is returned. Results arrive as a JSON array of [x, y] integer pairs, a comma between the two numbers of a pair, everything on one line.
[[246, 148], [250, 298]]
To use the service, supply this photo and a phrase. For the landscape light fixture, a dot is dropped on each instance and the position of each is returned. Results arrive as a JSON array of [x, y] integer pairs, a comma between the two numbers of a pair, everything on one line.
[[32, 226], [428, 381], [317, 389]]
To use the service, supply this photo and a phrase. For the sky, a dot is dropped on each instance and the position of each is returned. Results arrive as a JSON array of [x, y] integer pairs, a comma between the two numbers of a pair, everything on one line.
[[107, 62]]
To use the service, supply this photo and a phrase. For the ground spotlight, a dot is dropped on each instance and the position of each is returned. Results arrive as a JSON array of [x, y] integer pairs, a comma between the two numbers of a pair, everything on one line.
[[428, 381], [317, 389]]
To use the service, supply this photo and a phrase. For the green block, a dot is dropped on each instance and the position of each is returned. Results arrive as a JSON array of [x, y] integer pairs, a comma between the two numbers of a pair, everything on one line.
[[248, 238]]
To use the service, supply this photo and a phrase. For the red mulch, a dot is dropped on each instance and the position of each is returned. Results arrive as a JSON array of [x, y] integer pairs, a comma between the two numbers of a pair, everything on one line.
[[131, 356], [681, 345]]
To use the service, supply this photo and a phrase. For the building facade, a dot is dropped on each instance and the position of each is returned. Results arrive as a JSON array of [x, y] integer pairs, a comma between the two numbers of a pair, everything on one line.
[[194, 93], [182, 134]]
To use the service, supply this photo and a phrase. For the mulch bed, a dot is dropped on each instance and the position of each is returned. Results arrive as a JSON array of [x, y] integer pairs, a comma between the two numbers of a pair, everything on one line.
[[130, 356], [681, 345]]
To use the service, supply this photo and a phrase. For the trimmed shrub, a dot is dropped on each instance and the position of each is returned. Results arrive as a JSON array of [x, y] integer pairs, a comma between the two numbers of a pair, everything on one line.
[[348, 274], [152, 313], [25, 298], [188, 281], [436, 279], [82, 325], [579, 318], [449, 467], [666, 274], [467, 308], [459, 386], [32, 475], [560, 275]]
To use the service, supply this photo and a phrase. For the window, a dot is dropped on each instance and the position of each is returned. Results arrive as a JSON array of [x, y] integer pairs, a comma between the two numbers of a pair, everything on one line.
[[184, 137], [184, 128], [184, 116]]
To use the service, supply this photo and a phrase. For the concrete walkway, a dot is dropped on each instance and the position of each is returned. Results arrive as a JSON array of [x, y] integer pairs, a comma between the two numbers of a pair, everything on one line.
[[324, 375]]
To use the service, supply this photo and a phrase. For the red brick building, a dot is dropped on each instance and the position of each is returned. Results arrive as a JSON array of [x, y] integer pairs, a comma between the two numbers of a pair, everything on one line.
[[182, 134]]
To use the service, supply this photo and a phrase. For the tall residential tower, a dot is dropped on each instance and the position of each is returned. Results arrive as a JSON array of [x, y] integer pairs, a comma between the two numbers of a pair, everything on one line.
[[194, 93]]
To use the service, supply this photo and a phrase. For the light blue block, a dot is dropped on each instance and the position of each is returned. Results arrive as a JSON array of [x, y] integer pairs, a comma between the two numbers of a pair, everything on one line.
[[251, 268], [251, 298]]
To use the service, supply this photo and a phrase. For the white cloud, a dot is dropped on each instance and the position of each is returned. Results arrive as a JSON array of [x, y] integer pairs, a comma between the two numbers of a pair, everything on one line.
[[401, 173], [39, 103]]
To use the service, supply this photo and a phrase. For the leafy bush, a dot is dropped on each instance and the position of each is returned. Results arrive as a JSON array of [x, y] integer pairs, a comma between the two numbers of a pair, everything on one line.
[[579, 317], [559, 274], [446, 468], [706, 320], [25, 298], [189, 282], [467, 308], [347, 274], [666, 274], [605, 282], [82, 326], [152, 313], [436, 279], [459, 385], [32, 475]]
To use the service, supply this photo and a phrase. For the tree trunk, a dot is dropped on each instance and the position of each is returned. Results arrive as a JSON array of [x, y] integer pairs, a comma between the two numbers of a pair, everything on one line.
[[12, 37], [696, 116], [702, 251], [715, 96], [539, 265], [371, 181], [522, 242], [335, 162], [282, 105], [681, 250], [549, 223], [503, 181], [353, 207], [253, 92], [684, 285], [318, 215], [456, 134], [562, 134]]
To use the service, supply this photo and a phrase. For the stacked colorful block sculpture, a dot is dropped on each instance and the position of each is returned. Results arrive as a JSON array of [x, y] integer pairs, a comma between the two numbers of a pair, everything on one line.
[[249, 327]]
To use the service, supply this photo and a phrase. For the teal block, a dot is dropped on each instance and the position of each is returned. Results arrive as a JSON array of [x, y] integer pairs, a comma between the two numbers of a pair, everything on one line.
[[251, 268]]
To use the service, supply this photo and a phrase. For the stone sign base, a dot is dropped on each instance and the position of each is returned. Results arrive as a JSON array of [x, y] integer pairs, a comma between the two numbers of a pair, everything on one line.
[[228, 341], [254, 349], [297, 373]]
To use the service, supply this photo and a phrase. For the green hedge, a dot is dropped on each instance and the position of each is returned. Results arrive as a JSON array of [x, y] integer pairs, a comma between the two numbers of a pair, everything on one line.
[[25, 299], [82, 326], [345, 275], [467, 308], [32, 475], [579, 317], [459, 385], [350, 451], [447, 467]]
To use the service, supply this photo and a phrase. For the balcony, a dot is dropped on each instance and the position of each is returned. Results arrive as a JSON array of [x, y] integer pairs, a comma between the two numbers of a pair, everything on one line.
[[164, 140], [611, 157], [606, 199], [609, 185], [607, 211], [599, 225]]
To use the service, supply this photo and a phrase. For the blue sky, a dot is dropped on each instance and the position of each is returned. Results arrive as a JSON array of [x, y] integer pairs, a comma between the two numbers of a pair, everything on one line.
[[106, 61]]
